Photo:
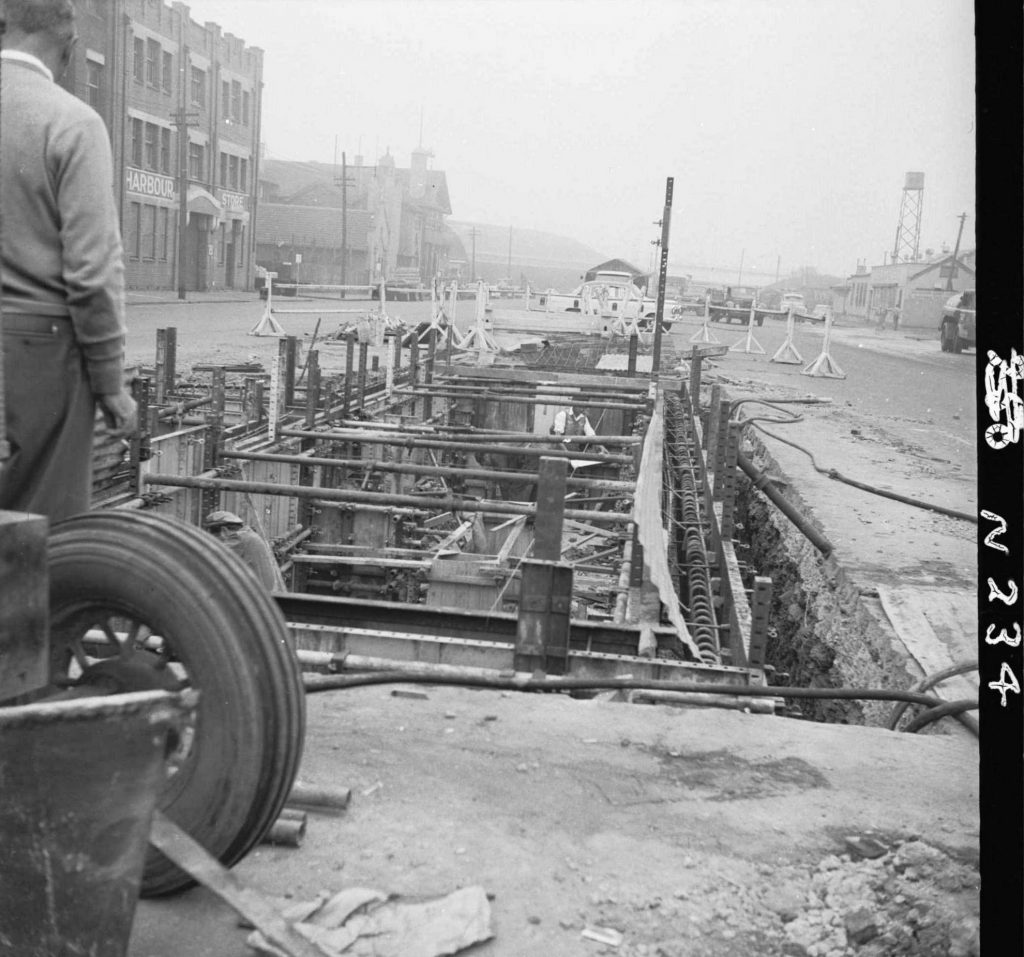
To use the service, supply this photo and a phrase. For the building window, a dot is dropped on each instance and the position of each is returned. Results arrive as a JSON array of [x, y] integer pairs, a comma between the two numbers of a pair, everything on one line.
[[165, 150], [167, 73], [198, 86], [245, 107], [139, 60], [223, 169], [240, 246], [151, 146], [223, 243], [153, 63], [233, 171], [225, 100], [94, 81], [137, 126], [236, 100], [132, 230], [196, 160], [163, 216], [243, 175], [148, 232]]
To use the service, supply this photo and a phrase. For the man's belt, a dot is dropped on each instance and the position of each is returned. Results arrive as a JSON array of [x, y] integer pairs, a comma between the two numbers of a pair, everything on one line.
[[15, 306]]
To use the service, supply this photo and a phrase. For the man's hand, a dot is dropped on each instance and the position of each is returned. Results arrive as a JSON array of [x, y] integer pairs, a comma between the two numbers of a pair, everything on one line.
[[120, 412]]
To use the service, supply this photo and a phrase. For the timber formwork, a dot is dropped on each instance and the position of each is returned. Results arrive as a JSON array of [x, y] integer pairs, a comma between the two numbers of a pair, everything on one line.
[[542, 517]]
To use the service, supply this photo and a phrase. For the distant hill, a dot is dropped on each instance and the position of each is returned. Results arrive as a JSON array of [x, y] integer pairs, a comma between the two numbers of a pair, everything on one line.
[[544, 259]]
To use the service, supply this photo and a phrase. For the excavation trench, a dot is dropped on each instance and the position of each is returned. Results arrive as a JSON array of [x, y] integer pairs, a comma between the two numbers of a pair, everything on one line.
[[825, 631]]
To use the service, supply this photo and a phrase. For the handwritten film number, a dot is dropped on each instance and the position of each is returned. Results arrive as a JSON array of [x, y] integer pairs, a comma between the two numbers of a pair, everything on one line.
[[1007, 679]]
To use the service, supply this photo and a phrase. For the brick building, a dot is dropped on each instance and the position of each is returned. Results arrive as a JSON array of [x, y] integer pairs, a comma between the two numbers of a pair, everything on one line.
[[141, 64], [393, 222]]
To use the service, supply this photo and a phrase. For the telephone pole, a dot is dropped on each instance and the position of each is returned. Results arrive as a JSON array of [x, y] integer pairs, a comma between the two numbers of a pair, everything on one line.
[[182, 120], [665, 223], [344, 183], [473, 234]]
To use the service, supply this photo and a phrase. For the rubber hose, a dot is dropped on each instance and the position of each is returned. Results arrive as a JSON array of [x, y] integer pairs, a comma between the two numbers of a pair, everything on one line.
[[929, 681], [315, 683], [941, 711], [787, 508], [895, 496]]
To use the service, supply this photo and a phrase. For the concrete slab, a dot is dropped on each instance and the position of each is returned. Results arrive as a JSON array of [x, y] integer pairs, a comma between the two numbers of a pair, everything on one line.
[[674, 826]]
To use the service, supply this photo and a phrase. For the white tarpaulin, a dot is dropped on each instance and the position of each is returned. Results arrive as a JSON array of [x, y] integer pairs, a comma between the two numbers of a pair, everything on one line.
[[651, 532]]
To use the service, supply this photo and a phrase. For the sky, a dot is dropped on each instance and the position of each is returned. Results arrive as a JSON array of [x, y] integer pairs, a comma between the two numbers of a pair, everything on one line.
[[787, 125]]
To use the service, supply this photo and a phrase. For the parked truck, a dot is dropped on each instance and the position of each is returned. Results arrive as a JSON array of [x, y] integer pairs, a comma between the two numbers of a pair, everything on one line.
[[956, 331]]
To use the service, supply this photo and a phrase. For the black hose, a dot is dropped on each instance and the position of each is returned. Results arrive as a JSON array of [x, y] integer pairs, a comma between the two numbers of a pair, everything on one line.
[[315, 683], [762, 482], [895, 496], [929, 681], [953, 708]]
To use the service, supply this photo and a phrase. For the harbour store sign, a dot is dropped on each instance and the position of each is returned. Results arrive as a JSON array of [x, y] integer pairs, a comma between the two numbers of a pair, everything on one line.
[[149, 184]]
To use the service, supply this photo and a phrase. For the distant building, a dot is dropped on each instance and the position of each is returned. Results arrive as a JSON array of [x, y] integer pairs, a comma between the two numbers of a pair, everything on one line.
[[140, 63], [918, 290], [389, 221], [619, 265]]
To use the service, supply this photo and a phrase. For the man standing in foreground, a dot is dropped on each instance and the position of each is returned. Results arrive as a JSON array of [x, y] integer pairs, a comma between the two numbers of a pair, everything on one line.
[[61, 266]]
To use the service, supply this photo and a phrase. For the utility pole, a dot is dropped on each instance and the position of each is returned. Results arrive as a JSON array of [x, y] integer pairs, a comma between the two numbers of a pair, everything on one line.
[[182, 120], [509, 272], [344, 183], [739, 282], [778, 266], [665, 223], [473, 235], [956, 251]]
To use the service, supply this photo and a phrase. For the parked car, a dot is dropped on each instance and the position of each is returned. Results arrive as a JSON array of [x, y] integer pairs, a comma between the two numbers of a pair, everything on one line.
[[956, 331], [794, 301]]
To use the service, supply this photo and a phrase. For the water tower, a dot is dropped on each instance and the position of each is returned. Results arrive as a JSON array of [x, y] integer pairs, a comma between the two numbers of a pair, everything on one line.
[[908, 229]]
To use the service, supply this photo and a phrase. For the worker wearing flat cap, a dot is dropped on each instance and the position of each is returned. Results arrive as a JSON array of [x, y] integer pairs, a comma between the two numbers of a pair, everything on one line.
[[233, 533]]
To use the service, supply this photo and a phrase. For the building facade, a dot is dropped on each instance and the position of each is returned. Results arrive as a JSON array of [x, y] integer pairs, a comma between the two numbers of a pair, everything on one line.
[[917, 290], [182, 103], [353, 224]]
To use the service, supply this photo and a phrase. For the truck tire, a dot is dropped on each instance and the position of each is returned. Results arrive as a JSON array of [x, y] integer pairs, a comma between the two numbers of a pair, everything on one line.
[[945, 338], [128, 575]]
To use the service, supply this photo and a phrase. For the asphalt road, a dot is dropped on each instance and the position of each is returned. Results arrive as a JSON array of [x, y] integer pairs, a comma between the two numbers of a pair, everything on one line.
[[902, 380]]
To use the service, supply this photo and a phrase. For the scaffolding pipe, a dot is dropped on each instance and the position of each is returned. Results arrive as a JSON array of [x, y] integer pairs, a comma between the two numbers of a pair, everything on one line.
[[422, 443], [468, 432], [359, 497], [451, 470], [513, 399], [528, 389], [625, 571]]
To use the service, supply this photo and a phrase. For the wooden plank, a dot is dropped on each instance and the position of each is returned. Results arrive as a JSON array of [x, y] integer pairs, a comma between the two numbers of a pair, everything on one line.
[[919, 616], [24, 604], [192, 858]]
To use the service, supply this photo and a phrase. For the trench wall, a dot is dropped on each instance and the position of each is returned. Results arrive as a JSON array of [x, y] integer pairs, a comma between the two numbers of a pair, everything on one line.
[[822, 629]]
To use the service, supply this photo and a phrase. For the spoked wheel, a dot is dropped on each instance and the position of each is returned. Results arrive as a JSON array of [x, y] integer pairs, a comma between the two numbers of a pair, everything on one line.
[[139, 601]]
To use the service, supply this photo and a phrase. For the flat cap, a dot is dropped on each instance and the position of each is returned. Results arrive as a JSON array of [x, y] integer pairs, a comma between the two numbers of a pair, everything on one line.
[[221, 518]]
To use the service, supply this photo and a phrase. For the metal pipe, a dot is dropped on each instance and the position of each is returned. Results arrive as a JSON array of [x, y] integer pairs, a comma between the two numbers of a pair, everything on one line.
[[619, 387], [369, 464], [439, 503], [581, 393], [762, 482], [418, 443], [625, 571], [525, 400]]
